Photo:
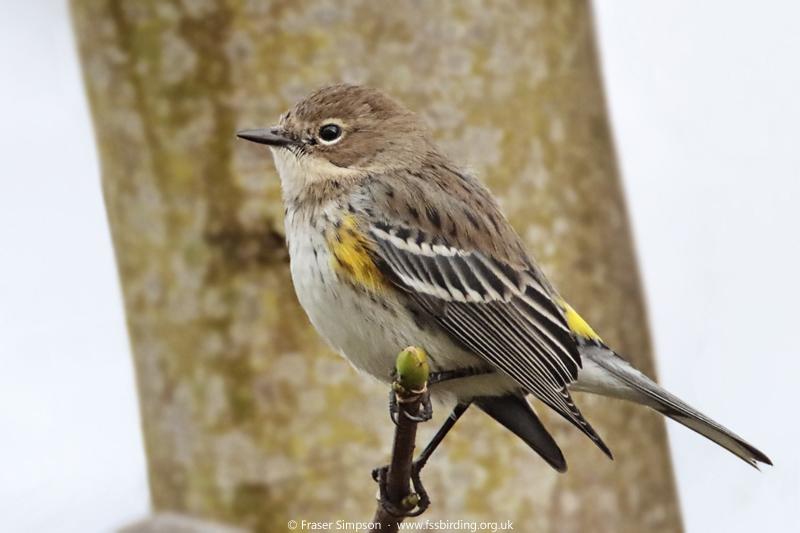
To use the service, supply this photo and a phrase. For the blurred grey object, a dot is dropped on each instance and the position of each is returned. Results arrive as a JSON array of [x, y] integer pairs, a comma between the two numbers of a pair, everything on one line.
[[177, 523]]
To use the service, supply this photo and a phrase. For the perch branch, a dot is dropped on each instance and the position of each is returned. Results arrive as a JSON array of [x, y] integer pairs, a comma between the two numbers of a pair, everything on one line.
[[398, 501]]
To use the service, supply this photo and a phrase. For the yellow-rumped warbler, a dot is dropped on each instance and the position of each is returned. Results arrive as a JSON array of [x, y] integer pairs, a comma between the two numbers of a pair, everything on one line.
[[393, 244]]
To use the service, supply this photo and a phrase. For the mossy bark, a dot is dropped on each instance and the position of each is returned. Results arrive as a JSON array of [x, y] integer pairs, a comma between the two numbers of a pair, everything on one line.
[[248, 417]]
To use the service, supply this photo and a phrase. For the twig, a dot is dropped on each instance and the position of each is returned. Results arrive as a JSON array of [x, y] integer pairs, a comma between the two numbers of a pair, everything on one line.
[[410, 391]]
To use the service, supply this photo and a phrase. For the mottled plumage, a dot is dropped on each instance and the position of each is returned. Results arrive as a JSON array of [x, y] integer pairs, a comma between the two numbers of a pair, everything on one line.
[[393, 244]]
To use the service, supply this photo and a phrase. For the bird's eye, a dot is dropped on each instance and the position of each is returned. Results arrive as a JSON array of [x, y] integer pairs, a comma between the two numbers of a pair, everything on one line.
[[330, 132]]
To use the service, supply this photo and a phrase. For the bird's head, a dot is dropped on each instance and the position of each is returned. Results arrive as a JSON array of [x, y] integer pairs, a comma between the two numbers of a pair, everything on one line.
[[344, 131]]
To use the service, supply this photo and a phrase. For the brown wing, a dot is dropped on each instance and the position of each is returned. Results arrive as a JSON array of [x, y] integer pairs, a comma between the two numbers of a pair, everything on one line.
[[496, 304]]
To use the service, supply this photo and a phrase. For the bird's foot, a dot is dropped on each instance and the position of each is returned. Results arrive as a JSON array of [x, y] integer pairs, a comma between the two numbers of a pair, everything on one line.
[[423, 501], [425, 412], [412, 505]]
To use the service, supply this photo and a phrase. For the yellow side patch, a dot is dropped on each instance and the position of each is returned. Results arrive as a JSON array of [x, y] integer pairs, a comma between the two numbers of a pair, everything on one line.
[[577, 324], [350, 257]]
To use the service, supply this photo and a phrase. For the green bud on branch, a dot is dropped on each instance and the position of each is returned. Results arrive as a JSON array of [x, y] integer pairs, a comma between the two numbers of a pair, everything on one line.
[[412, 369]]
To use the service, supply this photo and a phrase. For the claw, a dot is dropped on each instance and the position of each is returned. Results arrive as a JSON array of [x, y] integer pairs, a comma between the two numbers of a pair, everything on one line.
[[426, 411], [394, 406], [425, 414], [380, 471], [423, 501], [410, 506]]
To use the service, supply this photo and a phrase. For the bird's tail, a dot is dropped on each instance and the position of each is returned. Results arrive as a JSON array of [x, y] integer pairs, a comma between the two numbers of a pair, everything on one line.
[[515, 413], [604, 372]]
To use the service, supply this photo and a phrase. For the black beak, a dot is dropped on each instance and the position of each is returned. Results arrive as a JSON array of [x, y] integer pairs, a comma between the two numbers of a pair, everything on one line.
[[271, 137]]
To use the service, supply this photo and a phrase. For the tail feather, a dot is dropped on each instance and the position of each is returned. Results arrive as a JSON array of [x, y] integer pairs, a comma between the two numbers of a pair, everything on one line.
[[515, 413], [606, 373]]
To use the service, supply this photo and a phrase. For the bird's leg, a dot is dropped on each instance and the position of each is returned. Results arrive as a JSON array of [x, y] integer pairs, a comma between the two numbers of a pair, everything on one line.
[[459, 373], [380, 474], [433, 378], [394, 484], [437, 439], [422, 458]]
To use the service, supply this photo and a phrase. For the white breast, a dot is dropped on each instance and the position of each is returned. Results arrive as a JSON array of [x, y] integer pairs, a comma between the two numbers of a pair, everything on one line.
[[368, 329], [353, 324]]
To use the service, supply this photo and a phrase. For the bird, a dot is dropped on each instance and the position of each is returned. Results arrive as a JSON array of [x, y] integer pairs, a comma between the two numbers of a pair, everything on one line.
[[394, 244]]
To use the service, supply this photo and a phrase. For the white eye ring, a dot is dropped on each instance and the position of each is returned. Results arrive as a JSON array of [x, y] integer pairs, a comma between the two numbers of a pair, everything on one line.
[[330, 133]]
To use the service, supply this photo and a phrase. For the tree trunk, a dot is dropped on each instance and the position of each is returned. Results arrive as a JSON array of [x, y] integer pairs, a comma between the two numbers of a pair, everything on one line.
[[248, 417]]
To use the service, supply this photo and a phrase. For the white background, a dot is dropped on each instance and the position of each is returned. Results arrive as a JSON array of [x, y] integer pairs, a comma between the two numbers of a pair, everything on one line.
[[704, 100]]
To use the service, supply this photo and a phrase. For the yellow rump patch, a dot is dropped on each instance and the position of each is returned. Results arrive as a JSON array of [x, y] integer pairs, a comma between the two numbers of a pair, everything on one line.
[[350, 257], [577, 324]]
